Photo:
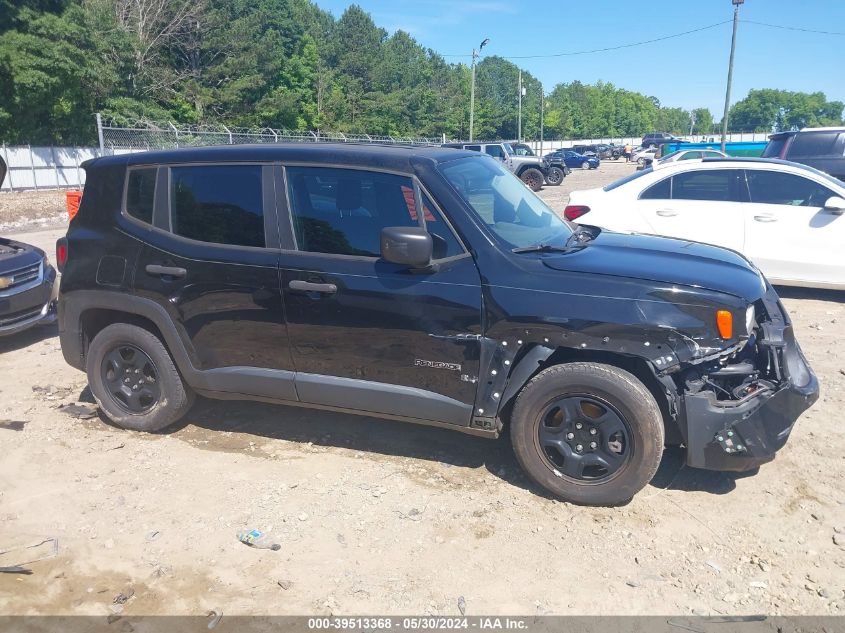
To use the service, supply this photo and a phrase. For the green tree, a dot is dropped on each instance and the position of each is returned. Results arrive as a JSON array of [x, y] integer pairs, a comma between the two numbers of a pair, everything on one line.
[[703, 121], [770, 110]]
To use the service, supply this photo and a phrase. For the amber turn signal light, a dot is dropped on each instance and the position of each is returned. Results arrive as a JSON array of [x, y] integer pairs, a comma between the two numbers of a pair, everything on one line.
[[725, 323]]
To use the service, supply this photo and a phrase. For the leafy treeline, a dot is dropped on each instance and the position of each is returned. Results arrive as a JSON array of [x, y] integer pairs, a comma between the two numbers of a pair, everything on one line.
[[764, 110], [289, 64]]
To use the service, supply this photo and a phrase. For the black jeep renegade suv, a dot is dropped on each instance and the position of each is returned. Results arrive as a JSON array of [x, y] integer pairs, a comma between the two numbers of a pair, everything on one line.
[[426, 285]]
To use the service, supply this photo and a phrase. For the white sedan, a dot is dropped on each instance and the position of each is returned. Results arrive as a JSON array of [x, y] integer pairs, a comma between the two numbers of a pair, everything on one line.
[[784, 217], [688, 154], [644, 155]]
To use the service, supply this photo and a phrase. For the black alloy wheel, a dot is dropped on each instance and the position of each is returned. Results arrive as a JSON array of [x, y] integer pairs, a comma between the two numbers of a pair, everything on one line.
[[584, 439], [555, 176], [131, 378]]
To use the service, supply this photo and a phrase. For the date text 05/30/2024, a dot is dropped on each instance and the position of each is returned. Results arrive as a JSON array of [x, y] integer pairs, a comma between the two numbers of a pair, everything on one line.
[[417, 624]]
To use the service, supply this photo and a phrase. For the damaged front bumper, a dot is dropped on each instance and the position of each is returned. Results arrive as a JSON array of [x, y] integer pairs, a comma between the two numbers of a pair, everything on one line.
[[739, 435]]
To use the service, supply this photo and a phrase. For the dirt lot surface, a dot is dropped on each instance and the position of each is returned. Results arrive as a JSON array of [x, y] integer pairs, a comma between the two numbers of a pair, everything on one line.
[[31, 210], [377, 517]]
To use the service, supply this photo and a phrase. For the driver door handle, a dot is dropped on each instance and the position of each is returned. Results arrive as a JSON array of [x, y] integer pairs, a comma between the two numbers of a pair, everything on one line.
[[765, 218], [307, 286], [667, 213]]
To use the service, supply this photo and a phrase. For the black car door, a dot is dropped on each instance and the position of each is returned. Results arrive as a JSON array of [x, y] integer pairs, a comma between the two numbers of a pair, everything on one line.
[[212, 263], [367, 334]]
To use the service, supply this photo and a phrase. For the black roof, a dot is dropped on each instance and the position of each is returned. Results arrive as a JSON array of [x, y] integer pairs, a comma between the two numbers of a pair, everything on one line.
[[397, 157]]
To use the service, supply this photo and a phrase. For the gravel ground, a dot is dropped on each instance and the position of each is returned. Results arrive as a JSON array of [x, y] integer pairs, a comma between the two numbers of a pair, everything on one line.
[[31, 210], [381, 517]]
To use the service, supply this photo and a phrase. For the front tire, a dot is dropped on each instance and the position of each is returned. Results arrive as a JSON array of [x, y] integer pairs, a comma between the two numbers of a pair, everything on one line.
[[588, 433], [555, 176], [533, 178], [134, 380], [585, 165]]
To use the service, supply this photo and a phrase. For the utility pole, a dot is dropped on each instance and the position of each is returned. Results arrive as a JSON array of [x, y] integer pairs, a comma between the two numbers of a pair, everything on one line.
[[472, 87], [691, 122], [519, 123], [736, 4], [542, 107]]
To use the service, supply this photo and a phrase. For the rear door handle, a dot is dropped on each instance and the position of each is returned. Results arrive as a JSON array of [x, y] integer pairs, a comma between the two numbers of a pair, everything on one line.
[[667, 213], [765, 218], [165, 271], [308, 286]]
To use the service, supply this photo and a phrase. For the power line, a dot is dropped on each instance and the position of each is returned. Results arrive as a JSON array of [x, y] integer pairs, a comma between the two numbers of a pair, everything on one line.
[[613, 48], [665, 37], [792, 28]]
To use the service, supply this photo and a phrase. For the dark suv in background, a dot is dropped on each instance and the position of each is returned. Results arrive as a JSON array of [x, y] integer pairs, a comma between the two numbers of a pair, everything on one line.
[[658, 138], [425, 285], [822, 148]]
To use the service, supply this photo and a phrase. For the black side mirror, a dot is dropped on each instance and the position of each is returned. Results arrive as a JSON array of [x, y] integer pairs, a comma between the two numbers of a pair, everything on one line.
[[407, 245]]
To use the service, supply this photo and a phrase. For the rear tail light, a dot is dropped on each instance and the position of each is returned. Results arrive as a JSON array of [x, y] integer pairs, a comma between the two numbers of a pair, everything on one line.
[[575, 211], [61, 253]]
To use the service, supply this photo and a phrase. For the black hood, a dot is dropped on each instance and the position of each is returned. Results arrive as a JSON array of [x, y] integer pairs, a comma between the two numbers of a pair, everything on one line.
[[14, 255], [664, 260]]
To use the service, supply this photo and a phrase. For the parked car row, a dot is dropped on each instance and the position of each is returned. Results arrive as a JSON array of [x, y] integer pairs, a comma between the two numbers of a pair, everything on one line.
[[574, 160], [602, 151], [520, 160]]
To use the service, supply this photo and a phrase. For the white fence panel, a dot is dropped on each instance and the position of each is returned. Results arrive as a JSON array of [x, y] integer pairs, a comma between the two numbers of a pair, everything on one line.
[[45, 167]]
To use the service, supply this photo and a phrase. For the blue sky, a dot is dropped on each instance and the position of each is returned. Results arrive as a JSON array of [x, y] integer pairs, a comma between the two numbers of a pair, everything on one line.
[[688, 71]]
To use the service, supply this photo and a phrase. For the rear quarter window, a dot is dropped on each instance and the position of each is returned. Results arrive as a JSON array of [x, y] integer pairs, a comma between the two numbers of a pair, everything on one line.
[[774, 148], [140, 193], [814, 144], [659, 191]]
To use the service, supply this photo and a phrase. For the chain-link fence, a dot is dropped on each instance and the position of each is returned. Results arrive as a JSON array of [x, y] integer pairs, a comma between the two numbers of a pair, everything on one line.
[[146, 135], [119, 137]]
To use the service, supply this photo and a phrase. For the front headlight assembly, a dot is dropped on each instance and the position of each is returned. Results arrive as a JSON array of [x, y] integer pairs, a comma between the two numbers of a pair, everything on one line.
[[750, 319]]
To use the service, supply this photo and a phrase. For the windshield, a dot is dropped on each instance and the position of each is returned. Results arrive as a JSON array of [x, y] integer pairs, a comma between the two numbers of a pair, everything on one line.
[[668, 156], [501, 200], [523, 150]]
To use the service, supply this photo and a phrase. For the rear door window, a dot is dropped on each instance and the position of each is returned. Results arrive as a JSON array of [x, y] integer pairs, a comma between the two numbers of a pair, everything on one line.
[[474, 148], [772, 187], [221, 204], [140, 193], [811, 144], [715, 185]]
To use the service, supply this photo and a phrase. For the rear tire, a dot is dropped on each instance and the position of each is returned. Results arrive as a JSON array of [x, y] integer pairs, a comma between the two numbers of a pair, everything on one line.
[[533, 178], [588, 433], [555, 176], [134, 380]]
